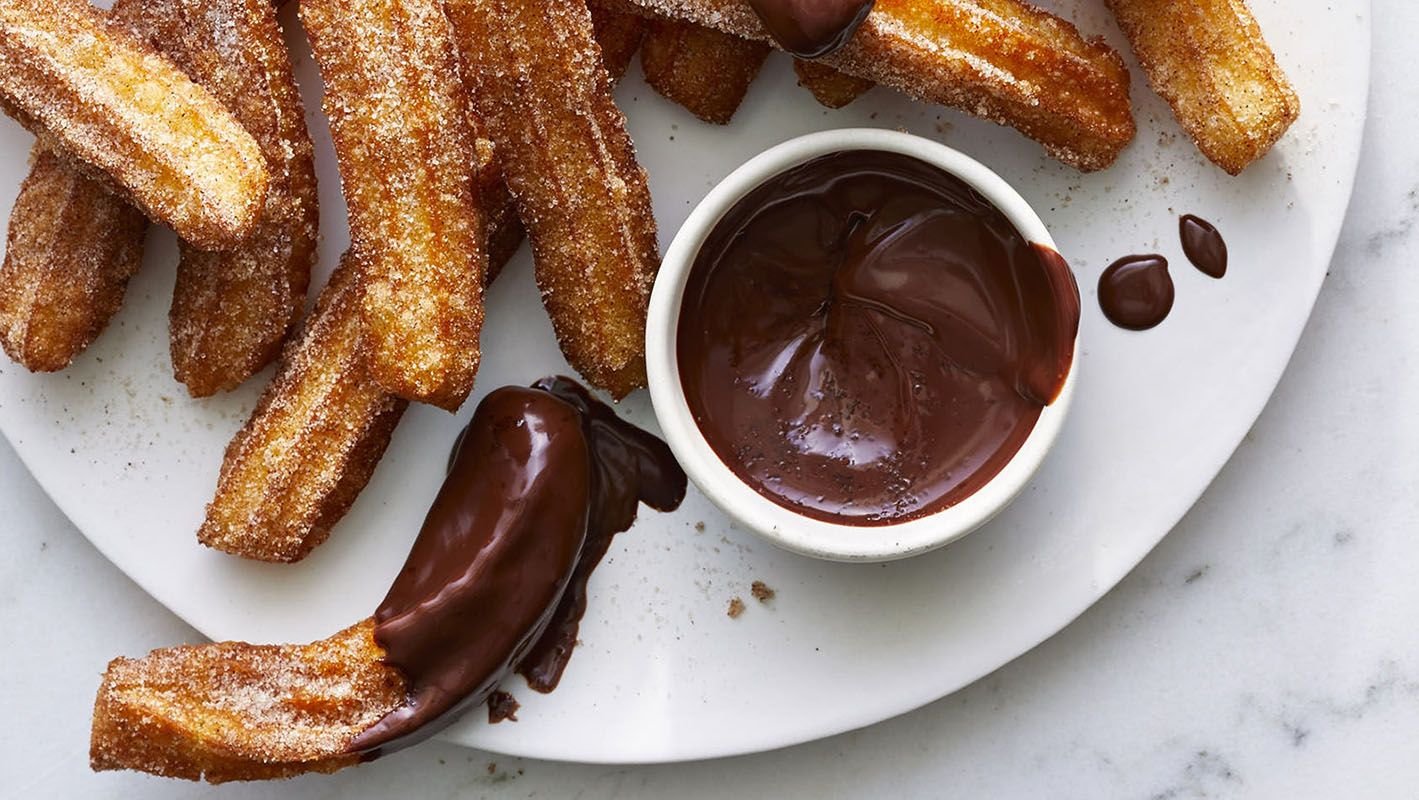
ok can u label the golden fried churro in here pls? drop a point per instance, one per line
(619, 35)
(1003, 60)
(1208, 59)
(313, 441)
(112, 103)
(232, 711)
(705, 71)
(535, 77)
(72, 247)
(323, 423)
(399, 118)
(830, 87)
(231, 310)
(541, 480)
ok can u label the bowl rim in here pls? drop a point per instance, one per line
(777, 524)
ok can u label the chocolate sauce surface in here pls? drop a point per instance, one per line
(811, 28)
(543, 477)
(1203, 245)
(1136, 292)
(865, 339)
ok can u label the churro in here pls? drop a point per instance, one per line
(72, 247)
(705, 71)
(313, 441)
(830, 87)
(112, 103)
(1002, 60)
(233, 711)
(536, 80)
(231, 310)
(399, 118)
(619, 36)
(1209, 60)
(323, 423)
(541, 480)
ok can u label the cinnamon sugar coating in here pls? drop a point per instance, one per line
(830, 87)
(539, 86)
(73, 245)
(1209, 60)
(399, 119)
(619, 36)
(1002, 60)
(112, 103)
(705, 71)
(232, 309)
(232, 711)
(313, 441)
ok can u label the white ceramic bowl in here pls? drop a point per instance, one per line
(779, 525)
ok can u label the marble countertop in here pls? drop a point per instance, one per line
(1267, 648)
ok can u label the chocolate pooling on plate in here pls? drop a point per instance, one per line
(1203, 245)
(865, 339)
(811, 28)
(543, 478)
(1136, 292)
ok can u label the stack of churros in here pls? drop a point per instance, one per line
(460, 127)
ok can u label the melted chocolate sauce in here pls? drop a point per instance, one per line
(865, 339)
(1136, 292)
(629, 466)
(811, 28)
(543, 478)
(1203, 245)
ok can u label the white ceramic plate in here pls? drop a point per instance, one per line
(662, 673)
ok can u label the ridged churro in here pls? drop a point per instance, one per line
(541, 480)
(535, 76)
(323, 423)
(830, 87)
(705, 71)
(233, 711)
(114, 104)
(231, 310)
(400, 121)
(1209, 60)
(313, 441)
(1002, 60)
(619, 35)
(73, 245)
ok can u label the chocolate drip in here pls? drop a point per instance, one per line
(1203, 245)
(630, 466)
(1136, 292)
(811, 28)
(540, 475)
(865, 339)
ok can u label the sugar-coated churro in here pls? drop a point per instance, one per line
(1003, 60)
(323, 423)
(830, 87)
(313, 441)
(232, 309)
(540, 481)
(401, 124)
(536, 80)
(1209, 60)
(233, 711)
(112, 103)
(73, 245)
(619, 34)
(705, 71)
